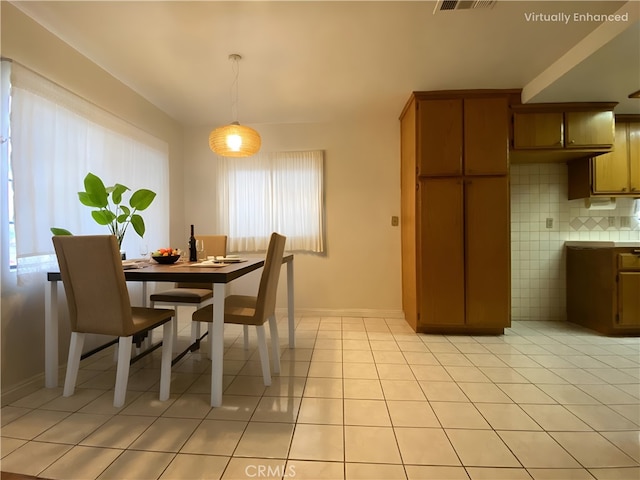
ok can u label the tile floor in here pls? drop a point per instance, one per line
(359, 398)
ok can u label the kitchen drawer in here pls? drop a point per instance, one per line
(629, 261)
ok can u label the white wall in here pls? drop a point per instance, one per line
(538, 192)
(360, 272)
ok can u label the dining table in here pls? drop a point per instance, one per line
(217, 274)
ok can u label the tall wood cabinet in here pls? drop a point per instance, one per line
(455, 211)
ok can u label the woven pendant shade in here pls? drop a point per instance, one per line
(235, 140)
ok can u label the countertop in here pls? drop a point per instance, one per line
(600, 244)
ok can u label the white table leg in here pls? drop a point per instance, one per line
(216, 337)
(51, 334)
(290, 310)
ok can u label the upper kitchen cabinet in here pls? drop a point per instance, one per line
(445, 126)
(614, 174)
(558, 132)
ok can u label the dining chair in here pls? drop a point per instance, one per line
(192, 294)
(99, 303)
(256, 310)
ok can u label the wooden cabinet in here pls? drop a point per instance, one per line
(603, 289)
(561, 132)
(455, 211)
(613, 174)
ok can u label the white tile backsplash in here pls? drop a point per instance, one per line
(539, 192)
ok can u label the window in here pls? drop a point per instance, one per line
(57, 138)
(272, 192)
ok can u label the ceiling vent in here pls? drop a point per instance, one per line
(448, 5)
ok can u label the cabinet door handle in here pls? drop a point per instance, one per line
(624, 189)
(572, 141)
(633, 189)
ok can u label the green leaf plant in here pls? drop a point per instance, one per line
(109, 210)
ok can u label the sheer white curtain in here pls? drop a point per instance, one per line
(57, 138)
(280, 191)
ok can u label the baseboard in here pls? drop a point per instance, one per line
(348, 312)
(15, 392)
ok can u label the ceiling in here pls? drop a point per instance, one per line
(307, 61)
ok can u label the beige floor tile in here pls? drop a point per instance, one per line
(632, 473)
(540, 376)
(266, 440)
(360, 370)
(577, 376)
(630, 412)
(119, 432)
(308, 470)
(8, 445)
(443, 392)
(325, 369)
(366, 413)
(537, 450)
(329, 343)
(192, 467)
(252, 386)
(459, 415)
(466, 374)
(74, 428)
(412, 442)
(361, 388)
(234, 407)
(285, 386)
(357, 356)
(408, 343)
(568, 394)
(560, 474)
(136, 465)
(422, 472)
(369, 471)
(485, 360)
(489, 473)
(82, 462)
(326, 411)
(324, 355)
(103, 405)
(37, 398)
(525, 393)
(441, 347)
(352, 344)
(189, 405)
(453, 359)
(420, 358)
(407, 413)
(478, 448)
(384, 345)
(293, 369)
(33, 457)
(277, 409)
(323, 387)
(555, 418)
(608, 394)
(402, 390)
(484, 393)
(370, 444)
(80, 398)
(32, 424)
(166, 435)
(503, 375)
(382, 356)
(506, 417)
(513, 359)
(215, 437)
(601, 417)
(394, 371)
(262, 468)
(9, 414)
(592, 450)
(317, 442)
(433, 373)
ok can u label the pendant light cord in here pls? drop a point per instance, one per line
(235, 58)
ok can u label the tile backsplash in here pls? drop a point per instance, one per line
(542, 219)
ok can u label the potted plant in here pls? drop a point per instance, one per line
(109, 209)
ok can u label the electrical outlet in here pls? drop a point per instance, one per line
(395, 221)
(549, 223)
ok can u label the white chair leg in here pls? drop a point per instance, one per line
(245, 331)
(174, 322)
(275, 343)
(195, 331)
(264, 355)
(122, 370)
(210, 337)
(165, 366)
(73, 363)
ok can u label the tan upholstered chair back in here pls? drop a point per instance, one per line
(94, 283)
(266, 302)
(213, 245)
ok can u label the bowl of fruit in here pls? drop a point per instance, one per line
(166, 255)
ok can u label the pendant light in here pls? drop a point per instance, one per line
(235, 140)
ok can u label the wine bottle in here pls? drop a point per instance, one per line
(193, 253)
